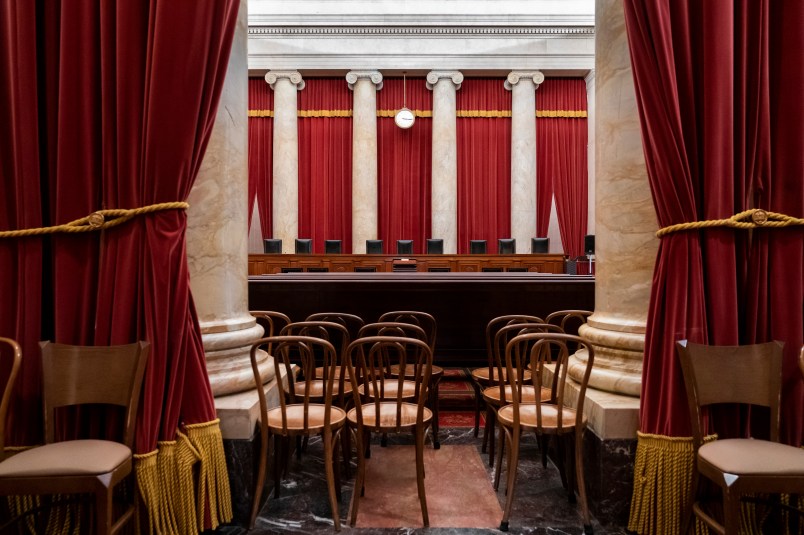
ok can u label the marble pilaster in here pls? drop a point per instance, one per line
(523, 86)
(365, 216)
(285, 208)
(590, 120)
(444, 188)
(625, 220)
(217, 251)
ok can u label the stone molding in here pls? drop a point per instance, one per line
(456, 77)
(337, 31)
(515, 76)
(374, 76)
(295, 78)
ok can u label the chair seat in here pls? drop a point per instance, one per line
(391, 388)
(527, 416)
(388, 412)
(315, 417)
(745, 456)
(481, 375)
(319, 373)
(317, 388)
(492, 394)
(437, 372)
(68, 458)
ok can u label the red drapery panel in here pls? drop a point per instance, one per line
(260, 152)
(484, 162)
(121, 127)
(404, 164)
(325, 162)
(561, 159)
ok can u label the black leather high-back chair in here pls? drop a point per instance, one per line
(539, 245)
(589, 244)
(304, 246)
(506, 246)
(404, 246)
(332, 246)
(272, 246)
(477, 246)
(435, 246)
(374, 247)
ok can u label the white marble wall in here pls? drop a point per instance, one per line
(285, 198)
(523, 86)
(444, 182)
(216, 235)
(365, 218)
(625, 242)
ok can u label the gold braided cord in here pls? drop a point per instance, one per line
(544, 114)
(152, 495)
(213, 478)
(749, 219)
(96, 220)
(183, 484)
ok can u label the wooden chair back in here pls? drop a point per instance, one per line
(80, 375)
(352, 322)
(10, 359)
(337, 335)
(501, 339)
(749, 375)
(422, 319)
(494, 325)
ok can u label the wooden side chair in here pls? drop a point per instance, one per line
(552, 419)
(10, 359)
(380, 413)
(428, 323)
(80, 375)
(745, 375)
(307, 411)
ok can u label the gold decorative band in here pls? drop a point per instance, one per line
(753, 218)
(426, 113)
(102, 219)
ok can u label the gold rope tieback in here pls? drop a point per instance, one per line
(100, 220)
(753, 218)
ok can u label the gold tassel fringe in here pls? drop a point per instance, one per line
(153, 495)
(213, 478)
(184, 485)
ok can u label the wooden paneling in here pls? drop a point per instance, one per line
(262, 264)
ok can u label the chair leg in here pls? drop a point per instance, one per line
(328, 462)
(279, 453)
(103, 511)
(420, 474)
(434, 405)
(731, 512)
(513, 462)
(255, 504)
(544, 443)
(491, 424)
(359, 478)
(336, 464)
(346, 446)
(504, 442)
(477, 410)
(579, 474)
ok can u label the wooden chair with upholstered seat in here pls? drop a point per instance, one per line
(307, 411)
(83, 375)
(743, 375)
(10, 359)
(554, 419)
(375, 411)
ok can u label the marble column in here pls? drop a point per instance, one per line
(590, 120)
(285, 209)
(444, 188)
(523, 86)
(365, 219)
(217, 251)
(625, 220)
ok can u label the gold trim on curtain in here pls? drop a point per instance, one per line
(427, 113)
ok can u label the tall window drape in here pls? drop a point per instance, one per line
(325, 162)
(96, 116)
(561, 159)
(716, 144)
(260, 152)
(484, 162)
(404, 163)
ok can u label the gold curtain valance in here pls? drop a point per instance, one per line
(542, 114)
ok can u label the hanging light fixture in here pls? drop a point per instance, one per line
(404, 118)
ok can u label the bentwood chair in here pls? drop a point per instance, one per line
(489, 374)
(375, 411)
(306, 411)
(546, 419)
(10, 359)
(74, 376)
(749, 375)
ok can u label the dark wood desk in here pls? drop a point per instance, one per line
(462, 303)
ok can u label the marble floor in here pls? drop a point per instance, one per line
(541, 505)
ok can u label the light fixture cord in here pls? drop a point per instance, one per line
(404, 91)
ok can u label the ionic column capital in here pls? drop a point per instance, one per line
(515, 76)
(294, 77)
(374, 76)
(456, 77)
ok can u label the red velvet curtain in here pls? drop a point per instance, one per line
(325, 162)
(484, 162)
(404, 163)
(561, 159)
(260, 152)
(111, 106)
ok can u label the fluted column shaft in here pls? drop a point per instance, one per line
(365, 216)
(523, 86)
(444, 185)
(217, 252)
(285, 195)
(625, 220)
